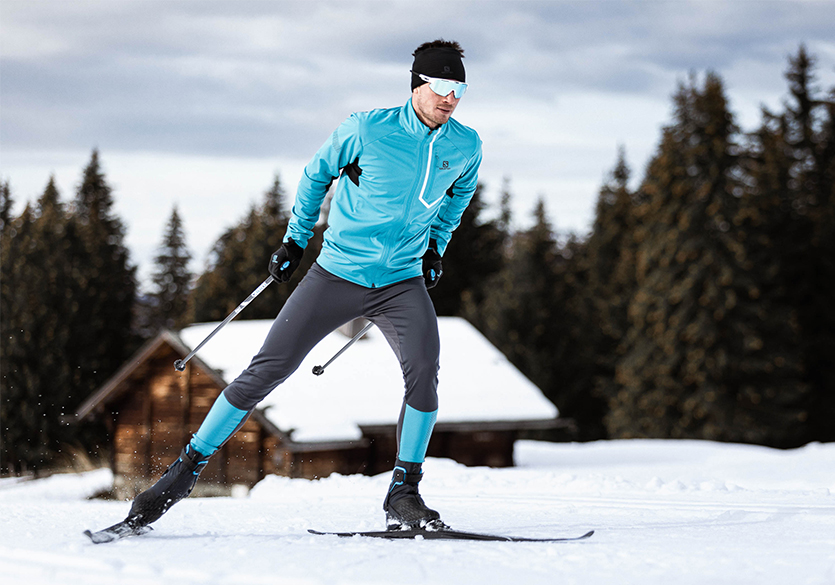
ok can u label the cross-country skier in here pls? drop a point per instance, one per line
(407, 174)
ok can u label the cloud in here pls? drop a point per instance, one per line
(222, 78)
(556, 86)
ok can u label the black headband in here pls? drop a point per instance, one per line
(438, 62)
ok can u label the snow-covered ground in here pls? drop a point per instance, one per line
(664, 512)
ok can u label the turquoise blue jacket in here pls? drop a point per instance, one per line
(400, 185)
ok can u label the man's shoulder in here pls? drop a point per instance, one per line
(373, 124)
(464, 137)
(460, 129)
(379, 115)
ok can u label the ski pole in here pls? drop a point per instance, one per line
(319, 370)
(180, 365)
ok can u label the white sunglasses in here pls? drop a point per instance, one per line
(443, 86)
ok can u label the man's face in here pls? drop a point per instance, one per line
(431, 108)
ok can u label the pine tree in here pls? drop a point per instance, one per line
(534, 313)
(811, 135)
(268, 226)
(38, 389)
(791, 170)
(238, 264)
(103, 287)
(6, 204)
(15, 419)
(609, 263)
(505, 218)
(477, 311)
(16, 409)
(696, 362)
(220, 288)
(171, 277)
(516, 313)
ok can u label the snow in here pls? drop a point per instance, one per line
(664, 512)
(476, 382)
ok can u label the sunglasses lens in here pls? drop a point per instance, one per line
(443, 86)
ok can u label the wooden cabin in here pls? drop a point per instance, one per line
(341, 422)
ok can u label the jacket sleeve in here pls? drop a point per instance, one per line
(341, 148)
(453, 206)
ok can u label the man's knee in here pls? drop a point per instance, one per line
(422, 385)
(257, 381)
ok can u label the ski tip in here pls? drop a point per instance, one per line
(116, 532)
(98, 537)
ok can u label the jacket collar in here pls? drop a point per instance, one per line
(410, 121)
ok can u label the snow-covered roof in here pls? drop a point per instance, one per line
(364, 386)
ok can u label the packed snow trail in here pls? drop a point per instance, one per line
(663, 512)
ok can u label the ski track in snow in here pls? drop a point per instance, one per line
(664, 512)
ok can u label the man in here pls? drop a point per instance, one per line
(407, 174)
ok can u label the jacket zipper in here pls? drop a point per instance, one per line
(426, 176)
(408, 207)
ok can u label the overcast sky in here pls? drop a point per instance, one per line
(201, 103)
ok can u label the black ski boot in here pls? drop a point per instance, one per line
(174, 485)
(405, 509)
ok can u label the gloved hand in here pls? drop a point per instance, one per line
(432, 267)
(285, 260)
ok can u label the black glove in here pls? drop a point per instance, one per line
(285, 260)
(432, 267)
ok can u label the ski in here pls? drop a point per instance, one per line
(449, 534)
(118, 531)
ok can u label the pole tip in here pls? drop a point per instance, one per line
(179, 365)
(318, 370)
